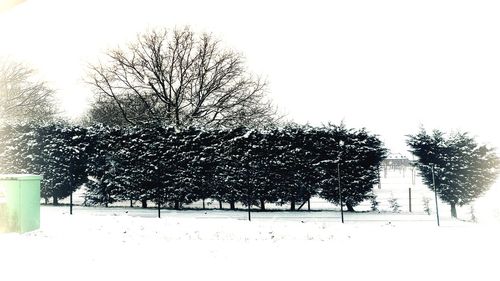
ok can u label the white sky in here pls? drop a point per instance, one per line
(389, 66)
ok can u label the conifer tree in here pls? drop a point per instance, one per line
(104, 185)
(463, 169)
(355, 156)
(65, 158)
(231, 171)
(203, 166)
(298, 177)
(263, 154)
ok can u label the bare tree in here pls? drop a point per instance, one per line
(177, 78)
(23, 97)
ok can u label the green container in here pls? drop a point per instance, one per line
(19, 203)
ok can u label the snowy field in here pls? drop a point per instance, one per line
(121, 243)
(119, 246)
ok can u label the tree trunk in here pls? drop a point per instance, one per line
(309, 204)
(262, 204)
(453, 210)
(144, 203)
(131, 203)
(231, 205)
(292, 205)
(220, 204)
(176, 205)
(349, 206)
(55, 202)
(177, 119)
(46, 200)
(203, 200)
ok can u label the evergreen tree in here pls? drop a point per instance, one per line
(356, 156)
(65, 159)
(55, 151)
(21, 150)
(298, 177)
(263, 154)
(393, 203)
(149, 162)
(232, 169)
(131, 176)
(361, 169)
(104, 185)
(463, 169)
(156, 161)
(182, 186)
(203, 165)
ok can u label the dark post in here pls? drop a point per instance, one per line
(159, 204)
(379, 182)
(435, 194)
(159, 208)
(409, 197)
(249, 213)
(107, 198)
(248, 200)
(248, 197)
(309, 204)
(249, 204)
(340, 194)
(71, 203)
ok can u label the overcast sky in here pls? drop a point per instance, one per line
(389, 66)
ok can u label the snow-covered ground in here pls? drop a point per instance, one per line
(207, 246)
(133, 244)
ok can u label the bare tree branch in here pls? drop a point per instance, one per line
(22, 97)
(178, 78)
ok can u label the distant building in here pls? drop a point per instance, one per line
(396, 161)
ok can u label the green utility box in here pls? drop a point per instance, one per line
(19, 203)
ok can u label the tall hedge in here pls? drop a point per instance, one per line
(150, 163)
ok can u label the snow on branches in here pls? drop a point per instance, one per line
(151, 163)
